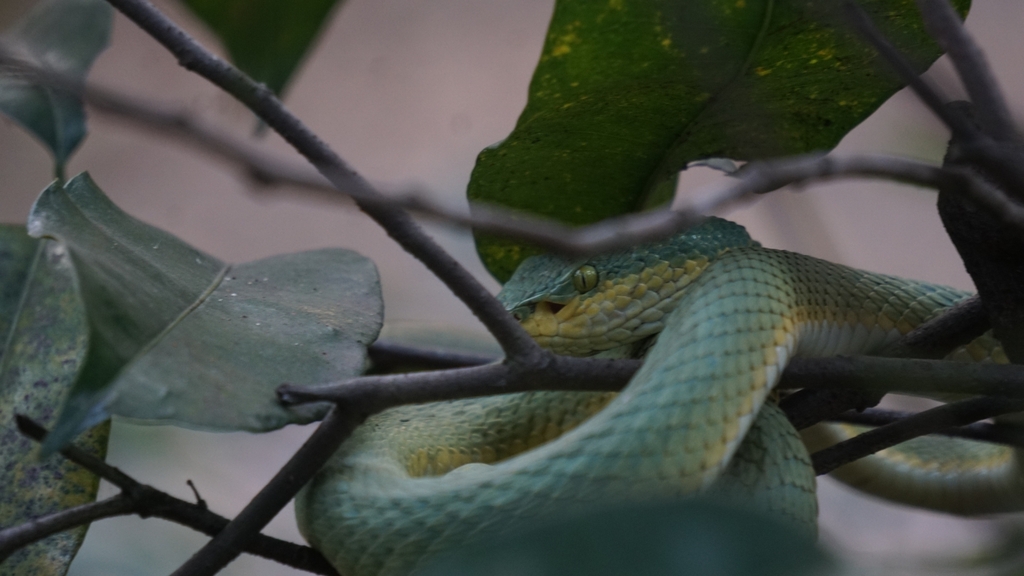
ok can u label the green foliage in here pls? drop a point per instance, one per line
(42, 343)
(265, 38)
(175, 334)
(109, 315)
(64, 36)
(696, 538)
(626, 94)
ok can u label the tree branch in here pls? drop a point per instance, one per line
(933, 340)
(940, 336)
(980, 431)
(945, 27)
(927, 422)
(145, 501)
(40, 527)
(376, 393)
(928, 94)
(865, 373)
(259, 164)
(524, 356)
(612, 234)
(905, 375)
(1005, 165)
(396, 222)
(387, 356)
(236, 535)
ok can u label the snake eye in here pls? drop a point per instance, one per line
(585, 279)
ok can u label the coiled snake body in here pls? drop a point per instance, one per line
(728, 314)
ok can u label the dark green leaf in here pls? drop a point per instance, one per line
(177, 335)
(44, 328)
(694, 538)
(64, 36)
(265, 38)
(626, 94)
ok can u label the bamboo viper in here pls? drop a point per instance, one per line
(717, 317)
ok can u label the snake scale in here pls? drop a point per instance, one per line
(724, 316)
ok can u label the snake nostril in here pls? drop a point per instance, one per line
(555, 308)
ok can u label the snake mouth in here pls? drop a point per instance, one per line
(545, 308)
(554, 307)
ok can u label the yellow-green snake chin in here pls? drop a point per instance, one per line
(418, 480)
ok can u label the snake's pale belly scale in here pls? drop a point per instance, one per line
(421, 479)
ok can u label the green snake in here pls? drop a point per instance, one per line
(718, 317)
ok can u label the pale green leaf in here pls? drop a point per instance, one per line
(177, 335)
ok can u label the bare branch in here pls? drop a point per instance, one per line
(945, 26)
(937, 338)
(1003, 163)
(244, 528)
(259, 164)
(980, 431)
(396, 222)
(387, 355)
(15, 537)
(905, 375)
(376, 393)
(928, 94)
(754, 178)
(146, 501)
(612, 234)
(920, 424)
(933, 340)
(83, 458)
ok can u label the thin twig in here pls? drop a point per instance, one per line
(32, 429)
(396, 222)
(260, 164)
(1002, 163)
(928, 94)
(386, 355)
(754, 178)
(612, 234)
(926, 422)
(980, 431)
(906, 375)
(15, 537)
(946, 28)
(236, 536)
(195, 492)
(146, 501)
(376, 393)
(932, 340)
(937, 338)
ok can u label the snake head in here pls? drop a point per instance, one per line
(582, 307)
(538, 280)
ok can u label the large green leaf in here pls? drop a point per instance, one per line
(694, 538)
(626, 94)
(64, 36)
(43, 339)
(266, 38)
(177, 335)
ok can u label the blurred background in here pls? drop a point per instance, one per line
(408, 91)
